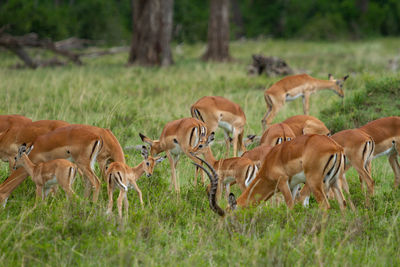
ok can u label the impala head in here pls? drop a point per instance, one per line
(23, 151)
(338, 84)
(149, 162)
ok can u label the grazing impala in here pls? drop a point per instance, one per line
(315, 160)
(386, 135)
(125, 177)
(180, 136)
(76, 142)
(292, 87)
(47, 174)
(217, 111)
(25, 133)
(292, 127)
(239, 170)
(8, 121)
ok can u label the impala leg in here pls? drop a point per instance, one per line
(235, 142)
(12, 182)
(172, 163)
(110, 189)
(241, 146)
(304, 195)
(365, 176)
(88, 173)
(119, 202)
(139, 192)
(126, 202)
(317, 188)
(345, 186)
(227, 143)
(306, 104)
(339, 195)
(272, 110)
(395, 167)
(285, 190)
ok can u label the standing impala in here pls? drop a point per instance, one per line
(187, 135)
(386, 134)
(217, 111)
(292, 127)
(25, 133)
(47, 174)
(312, 159)
(239, 170)
(125, 177)
(79, 143)
(295, 86)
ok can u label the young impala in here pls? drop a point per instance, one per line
(47, 174)
(187, 135)
(295, 86)
(239, 170)
(217, 111)
(125, 177)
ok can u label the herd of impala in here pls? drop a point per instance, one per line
(296, 157)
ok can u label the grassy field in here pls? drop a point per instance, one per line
(173, 230)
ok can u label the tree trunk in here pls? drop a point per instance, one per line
(218, 31)
(152, 29)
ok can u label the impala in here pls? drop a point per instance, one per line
(80, 143)
(386, 135)
(125, 177)
(257, 154)
(239, 170)
(8, 121)
(292, 87)
(315, 160)
(185, 135)
(217, 111)
(47, 174)
(292, 127)
(25, 133)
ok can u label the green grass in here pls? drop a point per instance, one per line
(182, 230)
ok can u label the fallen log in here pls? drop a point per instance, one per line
(271, 66)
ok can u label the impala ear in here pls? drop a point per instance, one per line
(29, 150)
(210, 138)
(146, 139)
(145, 153)
(345, 77)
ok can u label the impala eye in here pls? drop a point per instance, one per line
(148, 164)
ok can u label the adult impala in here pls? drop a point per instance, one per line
(315, 160)
(187, 135)
(82, 144)
(292, 127)
(8, 121)
(295, 86)
(125, 177)
(386, 135)
(25, 133)
(217, 111)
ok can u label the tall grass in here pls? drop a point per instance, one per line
(182, 230)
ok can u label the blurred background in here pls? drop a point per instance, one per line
(111, 20)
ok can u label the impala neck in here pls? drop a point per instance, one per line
(324, 84)
(156, 148)
(209, 157)
(138, 170)
(27, 164)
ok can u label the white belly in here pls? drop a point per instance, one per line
(291, 98)
(384, 153)
(176, 150)
(299, 178)
(226, 126)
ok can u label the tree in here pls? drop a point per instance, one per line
(152, 28)
(218, 31)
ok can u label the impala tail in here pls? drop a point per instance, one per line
(118, 180)
(213, 186)
(196, 114)
(98, 145)
(251, 173)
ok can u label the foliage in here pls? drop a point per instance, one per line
(182, 230)
(379, 98)
(111, 20)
